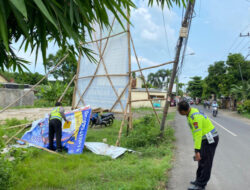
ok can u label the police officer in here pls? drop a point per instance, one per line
(55, 126)
(205, 142)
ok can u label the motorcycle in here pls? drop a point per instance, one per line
(215, 111)
(104, 120)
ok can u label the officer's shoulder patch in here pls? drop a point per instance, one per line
(196, 125)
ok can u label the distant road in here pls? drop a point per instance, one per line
(231, 168)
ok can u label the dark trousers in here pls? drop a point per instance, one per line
(55, 127)
(205, 164)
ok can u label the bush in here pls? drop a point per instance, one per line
(145, 133)
(5, 174)
(245, 107)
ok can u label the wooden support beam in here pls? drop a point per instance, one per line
(101, 39)
(145, 84)
(143, 100)
(33, 87)
(63, 94)
(111, 75)
(145, 68)
(42, 148)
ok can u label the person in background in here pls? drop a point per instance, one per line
(55, 126)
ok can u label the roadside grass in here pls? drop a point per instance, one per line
(246, 115)
(146, 169)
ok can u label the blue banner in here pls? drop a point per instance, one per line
(73, 133)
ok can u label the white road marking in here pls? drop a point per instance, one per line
(224, 128)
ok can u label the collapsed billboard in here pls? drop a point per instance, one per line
(73, 133)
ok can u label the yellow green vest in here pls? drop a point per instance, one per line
(200, 125)
(55, 114)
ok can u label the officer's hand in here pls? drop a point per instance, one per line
(197, 156)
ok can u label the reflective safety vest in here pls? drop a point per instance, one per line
(200, 125)
(55, 114)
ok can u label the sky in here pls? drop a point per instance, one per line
(214, 33)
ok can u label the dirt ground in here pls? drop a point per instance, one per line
(32, 114)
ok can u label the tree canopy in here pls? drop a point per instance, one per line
(67, 68)
(38, 22)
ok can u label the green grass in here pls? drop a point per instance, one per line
(146, 169)
(246, 115)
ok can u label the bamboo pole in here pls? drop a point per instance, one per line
(60, 99)
(119, 97)
(33, 87)
(16, 134)
(130, 74)
(105, 45)
(106, 71)
(158, 119)
(17, 126)
(50, 151)
(77, 75)
(78, 95)
(111, 36)
(145, 68)
(142, 100)
(112, 75)
(122, 124)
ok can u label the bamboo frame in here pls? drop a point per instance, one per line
(66, 89)
(33, 87)
(77, 75)
(130, 75)
(145, 68)
(111, 36)
(112, 75)
(16, 134)
(143, 100)
(158, 119)
(17, 126)
(119, 97)
(42, 148)
(106, 43)
(122, 124)
(106, 71)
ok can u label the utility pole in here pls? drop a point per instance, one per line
(183, 34)
(241, 35)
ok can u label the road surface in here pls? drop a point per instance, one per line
(231, 169)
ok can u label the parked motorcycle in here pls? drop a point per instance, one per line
(215, 111)
(104, 120)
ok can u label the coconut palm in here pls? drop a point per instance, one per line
(241, 92)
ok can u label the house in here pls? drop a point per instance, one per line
(141, 94)
(3, 79)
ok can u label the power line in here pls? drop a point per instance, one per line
(245, 46)
(166, 35)
(235, 41)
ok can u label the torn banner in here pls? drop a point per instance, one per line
(73, 134)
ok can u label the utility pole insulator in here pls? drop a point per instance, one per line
(245, 35)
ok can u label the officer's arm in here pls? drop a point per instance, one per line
(197, 133)
(62, 114)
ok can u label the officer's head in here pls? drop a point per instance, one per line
(183, 107)
(58, 104)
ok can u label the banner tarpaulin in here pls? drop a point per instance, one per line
(73, 133)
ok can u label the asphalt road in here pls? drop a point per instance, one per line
(231, 169)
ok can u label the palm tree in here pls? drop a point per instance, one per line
(153, 78)
(241, 92)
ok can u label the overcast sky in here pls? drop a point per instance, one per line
(214, 33)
